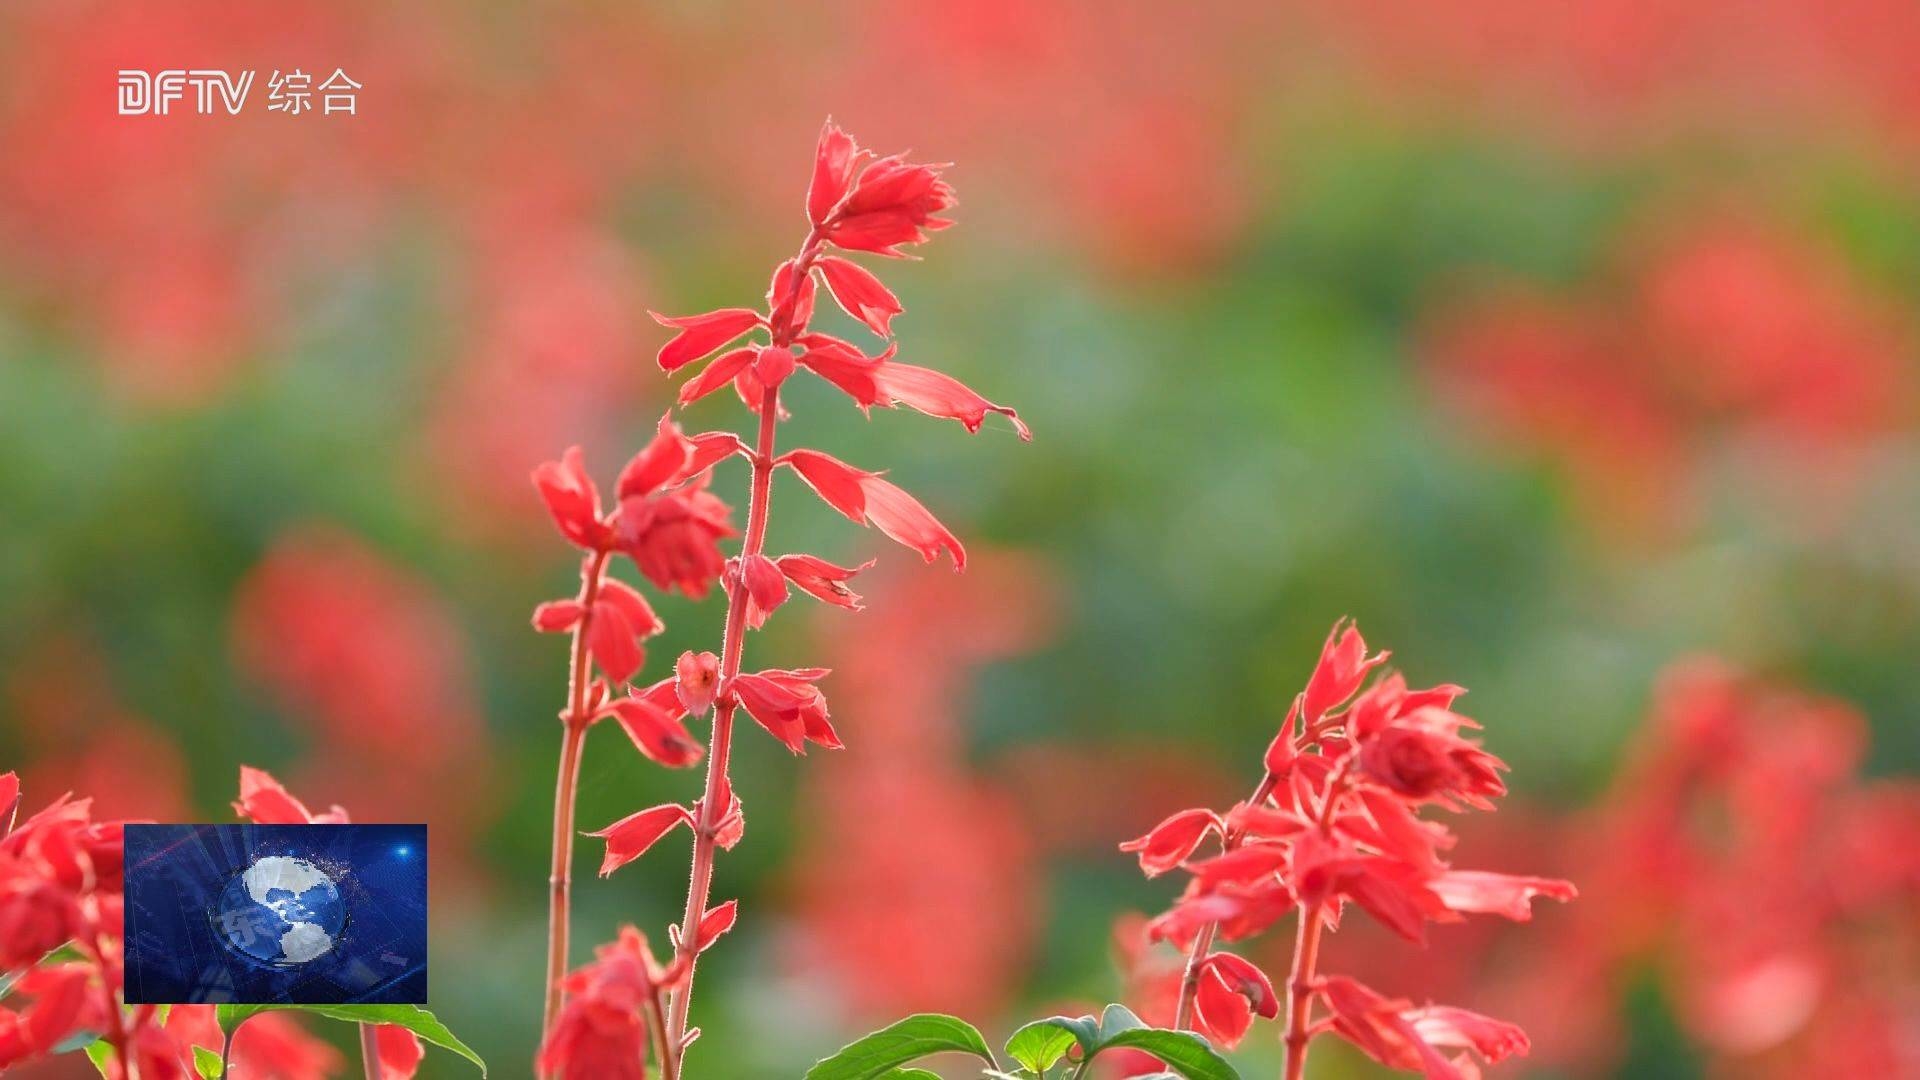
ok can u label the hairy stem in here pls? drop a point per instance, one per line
(1306, 955)
(566, 787)
(370, 1051)
(713, 808)
(1203, 941)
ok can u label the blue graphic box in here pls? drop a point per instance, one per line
(287, 914)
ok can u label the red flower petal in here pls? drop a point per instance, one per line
(860, 294)
(846, 367)
(866, 498)
(717, 374)
(1443, 1025)
(766, 589)
(1343, 665)
(556, 615)
(941, 395)
(823, 579)
(399, 1051)
(1169, 843)
(702, 334)
(1497, 894)
(631, 836)
(696, 676)
(780, 295)
(264, 801)
(661, 462)
(834, 159)
(613, 643)
(718, 920)
(657, 732)
(9, 801)
(572, 500)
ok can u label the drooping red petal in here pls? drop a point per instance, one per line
(860, 294)
(1247, 980)
(639, 613)
(1374, 1023)
(657, 732)
(840, 484)
(572, 500)
(1497, 894)
(702, 334)
(1443, 1025)
(630, 837)
(846, 367)
(1169, 843)
(613, 643)
(766, 588)
(834, 158)
(662, 461)
(710, 448)
(718, 920)
(556, 615)
(717, 374)
(399, 1051)
(938, 394)
(1224, 1015)
(825, 580)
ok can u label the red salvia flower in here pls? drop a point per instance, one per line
(822, 579)
(601, 1034)
(789, 706)
(658, 733)
(573, 500)
(868, 499)
(631, 836)
(1335, 822)
(696, 679)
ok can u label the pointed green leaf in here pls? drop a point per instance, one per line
(208, 1063)
(1117, 1018)
(100, 1053)
(875, 1056)
(1042, 1043)
(1184, 1052)
(911, 1073)
(412, 1017)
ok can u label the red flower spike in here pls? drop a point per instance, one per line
(263, 800)
(822, 579)
(702, 334)
(860, 294)
(717, 374)
(573, 501)
(696, 678)
(1497, 894)
(1343, 666)
(631, 836)
(1169, 843)
(866, 498)
(789, 706)
(658, 733)
(940, 395)
(556, 616)
(717, 921)
(766, 589)
(835, 158)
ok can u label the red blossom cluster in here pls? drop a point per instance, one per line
(1771, 889)
(670, 525)
(61, 898)
(1335, 820)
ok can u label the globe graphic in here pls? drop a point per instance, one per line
(281, 910)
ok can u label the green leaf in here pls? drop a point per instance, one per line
(1042, 1043)
(412, 1017)
(1184, 1052)
(910, 1073)
(100, 1053)
(1116, 1019)
(208, 1063)
(875, 1056)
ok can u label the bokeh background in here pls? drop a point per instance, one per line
(1563, 345)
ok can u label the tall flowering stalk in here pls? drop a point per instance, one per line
(670, 525)
(1335, 820)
